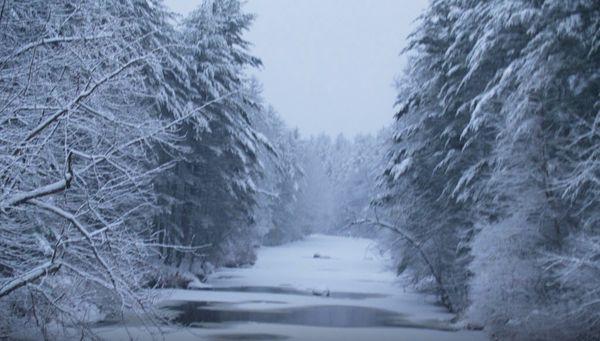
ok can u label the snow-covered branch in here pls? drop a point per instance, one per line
(53, 40)
(82, 96)
(43, 270)
(49, 189)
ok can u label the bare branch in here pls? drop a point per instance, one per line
(418, 247)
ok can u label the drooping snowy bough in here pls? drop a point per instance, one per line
(77, 122)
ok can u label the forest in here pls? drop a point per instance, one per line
(138, 153)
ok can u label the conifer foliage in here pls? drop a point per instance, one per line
(494, 164)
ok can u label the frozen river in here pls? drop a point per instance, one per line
(321, 288)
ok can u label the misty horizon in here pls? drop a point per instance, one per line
(329, 76)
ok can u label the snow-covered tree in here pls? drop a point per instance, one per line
(75, 126)
(280, 181)
(435, 167)
(543, 179)
(493, 168)
(209, 197)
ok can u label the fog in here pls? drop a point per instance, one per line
(329, 65)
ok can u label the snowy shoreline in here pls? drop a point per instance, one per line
(288, 279)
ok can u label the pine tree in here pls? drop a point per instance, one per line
(492, 167)
(210, 193)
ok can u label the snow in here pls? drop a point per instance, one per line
(401, 168)
(346, 266)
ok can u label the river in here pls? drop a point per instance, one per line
(320, 288)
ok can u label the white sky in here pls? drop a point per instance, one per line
(329, 65)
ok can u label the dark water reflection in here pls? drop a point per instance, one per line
(340, 316)
(248, 337)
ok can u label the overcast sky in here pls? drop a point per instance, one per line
(329, 65)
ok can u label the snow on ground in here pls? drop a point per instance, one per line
(309, 280)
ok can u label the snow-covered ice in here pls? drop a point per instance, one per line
(350, 273)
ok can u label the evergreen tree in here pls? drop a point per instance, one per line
(210, 194)
(491, 171)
